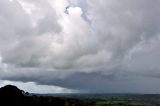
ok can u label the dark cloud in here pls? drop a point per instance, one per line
(95, 82)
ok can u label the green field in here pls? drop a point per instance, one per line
(114, 100)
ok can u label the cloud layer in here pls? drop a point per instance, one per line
(80, 43)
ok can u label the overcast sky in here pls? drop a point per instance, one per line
(59, 46)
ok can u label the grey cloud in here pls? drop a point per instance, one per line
(95, 82)
(48, 23)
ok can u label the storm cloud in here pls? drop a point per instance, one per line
(92, 45)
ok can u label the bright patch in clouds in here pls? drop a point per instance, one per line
(32, 87)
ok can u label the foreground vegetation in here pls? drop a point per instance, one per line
(11, 95)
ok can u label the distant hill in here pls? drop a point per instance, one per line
(10, 95)
(11, 92)
(13, 96)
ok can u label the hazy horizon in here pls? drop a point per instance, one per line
(80, 46)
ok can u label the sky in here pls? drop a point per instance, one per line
(79, 46)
